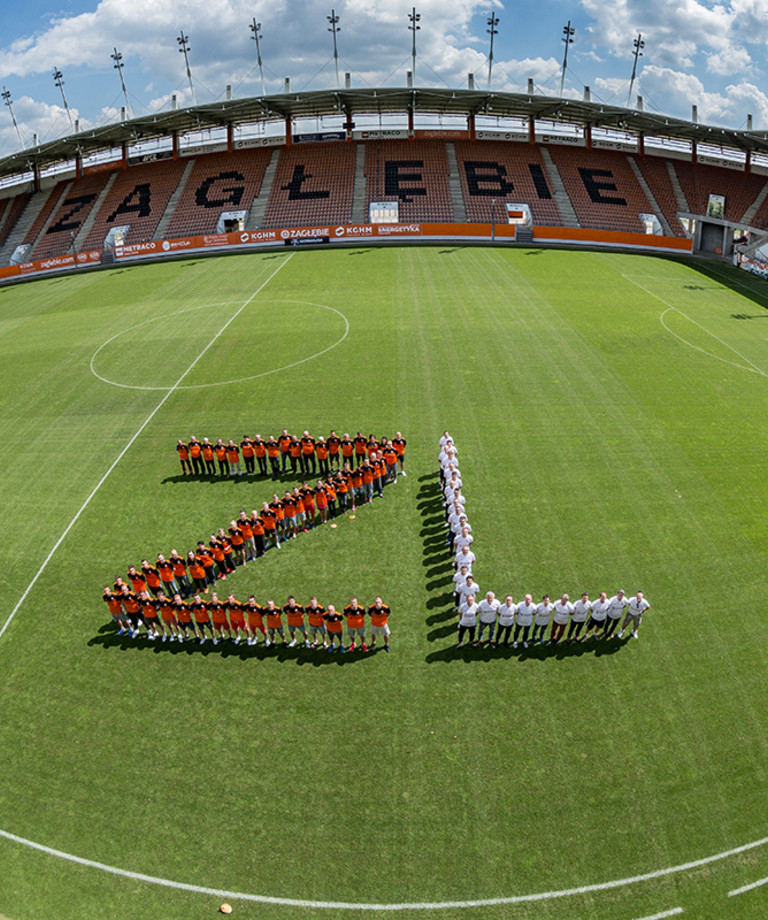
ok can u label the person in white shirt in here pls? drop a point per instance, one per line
(464, 538)
(543, 616)
(636, 607)
(459, 580)
(464, 556)
(467, 620)
(488, 610)
(596, 622)
(562, 613)
(445, 438)
(525, 611)
(615, 610)
(581, 610)
(507, 612)
(470, 586)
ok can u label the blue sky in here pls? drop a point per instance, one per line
(709, 54)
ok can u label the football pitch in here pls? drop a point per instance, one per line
(610, 412)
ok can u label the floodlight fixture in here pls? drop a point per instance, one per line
(255, 27)
(493, 21)
(414, 27)
(335, 29)
(567, 39)
(58, 79)
(183, 41)
(118, 59)
(639, 44)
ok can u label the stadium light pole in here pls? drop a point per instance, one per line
(118, 59)
(414, 27)
(6, 94)
(639, 45)
(493, 220)
(255, 27)
(493, 21)
(58, 79)
(334, 21)
(183, 41)
(568, 32)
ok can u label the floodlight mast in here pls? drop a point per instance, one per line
(568, 32)
(334, 21)
(6, 94)
(183, 41)
(58, 79)
(639, 45)
(255, 27)
(493, 21)
(414, 27)
(118, 59)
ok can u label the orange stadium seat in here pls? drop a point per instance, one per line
(414, 173)
(313, 185)
(655, 172)
(699, 181)
(218, 182)
(12, 214)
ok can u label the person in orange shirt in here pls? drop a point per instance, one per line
(130, 602)
(358, 488)
(136, 579)
(273, 453)
(390, 458)
(183, 618)
(167, 575)
(295, 614)
(321, 500)
(260, 450)
(183, 449)
(220, 449)
(361, 446)
(372, 445)
(274, 623)
(197, 572)
(316, 619)
(233, 455)
(149, 615)
(321, 452)
(269, 519)
(289, 509)
(307, 454)
(284, 441)
(379, 613)
(368, 477)
(242, 548)
(355, 615)
(333, 624)
(343, 487)
(301, 515)
(277, 506)
(399, 442)
(236, 619)
(308, 500)
(379, 472)
(259, 529)
(207, 449)
(347, 449)
(295, 452)
(254, 612)
(199, 609)
(115, 605)
(152, 577)
(206, 557)
(218, 612)
(246, 447)
(229, 551)
(334, 450)
(330, 492)
(217, 551)
(168, 616)
(196, 456)
(180, 574)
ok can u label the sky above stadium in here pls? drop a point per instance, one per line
(708, 54)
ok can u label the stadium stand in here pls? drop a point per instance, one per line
(602, 188)
(69, 215)
(10, 211)
(699, 181)
(656, 174)
(218, 182)
(508, 172)
(415, 173)
(44, 215)
(313, 185)
(137, 198)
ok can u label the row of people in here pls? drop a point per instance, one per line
(305, 454)
(599, 618)
(249, 536)
(171, 618)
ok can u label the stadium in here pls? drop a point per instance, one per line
(559, 284)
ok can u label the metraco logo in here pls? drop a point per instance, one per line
(389, 229)
(305, 232)
(135, 248)
(355, 230)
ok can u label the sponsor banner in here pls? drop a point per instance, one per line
(208, 148)
(9, 271)
(317, 137)
(102, 167)
(136, 249)
(614, 145)
(612, 238)
(255, 236)
(150, 157)
(561, 139)
(307, 240)
(174, 245)
(88, 258)
(380, 134)
(215, 239)
(272, 141)
(715, 161)
(297, 233)
(355, 231)
(441, 134)
(500, 136)
(398, 229)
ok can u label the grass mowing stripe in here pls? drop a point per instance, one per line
(123, 452)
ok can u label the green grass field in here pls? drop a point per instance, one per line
(610, 412)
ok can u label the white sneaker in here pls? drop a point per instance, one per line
(402, 474)
(525, 645)
(621, 633)
(215, 641)
(151, 636)
(306, 643)
(165, 637)
(292, 643)
(514, 645)
(267, 643)
(634, 634)
(237, 640)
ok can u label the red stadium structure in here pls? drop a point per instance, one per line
(512, 168)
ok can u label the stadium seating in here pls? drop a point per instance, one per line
(137, 198)
(699, 181)
(415, 173)
(70, 215)
(45, 212)
(218, 182)
(656, 174)
(9, 215)
(313, 185)
(602, 188)
(508, 172)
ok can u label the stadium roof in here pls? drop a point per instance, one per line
(382, 101)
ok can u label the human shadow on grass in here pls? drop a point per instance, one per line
(535, 651)
(287, 478)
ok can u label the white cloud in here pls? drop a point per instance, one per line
(730, 60)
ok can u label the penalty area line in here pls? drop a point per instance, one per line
(424, 905)
(127, 447)
(746, 888)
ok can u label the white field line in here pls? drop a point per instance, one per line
(218, 383)
(123, 452)
(750, 887)
(665, 913)
(424, 905)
